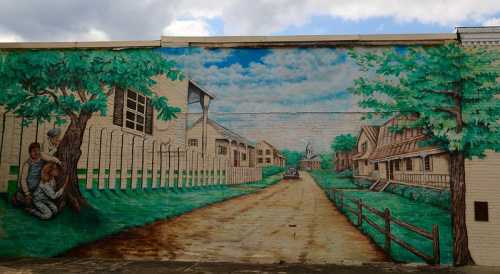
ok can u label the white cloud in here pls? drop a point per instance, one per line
(492, 22)
(187, 28)
(8, 36)
(59, 19)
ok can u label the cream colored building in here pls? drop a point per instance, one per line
(399, 157)
(268, 155)
(482, 177)
(112, 142)
(366, 145)
(222, 142)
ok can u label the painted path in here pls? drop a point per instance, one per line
(292, 221)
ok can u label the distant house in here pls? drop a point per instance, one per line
(310, 160)
(222, 142)
(342, 160)
(366, 145)
(401, 157)
(268, 155)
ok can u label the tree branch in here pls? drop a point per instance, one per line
(70, 113)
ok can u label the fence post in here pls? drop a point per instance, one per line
(360, 212)
(387, 232)
(179, 175)
(435, 244)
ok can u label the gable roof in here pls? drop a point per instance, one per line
(371, 133)
(225, 132)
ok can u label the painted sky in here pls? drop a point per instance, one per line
(62, 20)
(271, 80)
(288, 97)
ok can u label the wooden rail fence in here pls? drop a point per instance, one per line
(339, 200)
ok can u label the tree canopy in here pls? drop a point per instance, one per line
(41, 84)
(343, 143)
(450, 90)
(292, 157)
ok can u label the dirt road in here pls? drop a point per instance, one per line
(292, 221)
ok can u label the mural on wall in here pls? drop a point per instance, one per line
(103, 148)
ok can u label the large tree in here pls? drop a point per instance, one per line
(453, 94)
(343, 143)
(75, 84)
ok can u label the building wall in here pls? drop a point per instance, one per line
(483, 181)
(102, 136)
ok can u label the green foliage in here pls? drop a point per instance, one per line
(328, 180)
(343, 143)
(271, 170)
(292, 157)
(326, 161)
(451, 91)
(40, 84)
(438, 198)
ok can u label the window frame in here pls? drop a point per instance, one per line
(193, 142)
(135, 112)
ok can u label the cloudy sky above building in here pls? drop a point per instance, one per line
(62, 20)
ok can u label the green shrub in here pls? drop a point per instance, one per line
(271, 170)
(346, 173)
(435, 197)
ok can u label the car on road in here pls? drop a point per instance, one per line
(292, 173)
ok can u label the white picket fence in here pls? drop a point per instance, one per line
(113, 159)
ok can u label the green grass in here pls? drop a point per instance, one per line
(413, 212)
(327, 180)
(112, 211)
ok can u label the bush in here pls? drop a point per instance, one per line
(346, 173)
(435, 197)
(271, 170)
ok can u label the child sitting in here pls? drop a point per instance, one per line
(45, 194)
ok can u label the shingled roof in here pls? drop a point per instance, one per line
(403, 149)
(225, 132)
(371, 133)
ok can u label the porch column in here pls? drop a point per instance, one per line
(205, 102)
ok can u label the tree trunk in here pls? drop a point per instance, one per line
(461, 253)
(69, 153)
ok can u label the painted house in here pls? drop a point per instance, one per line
(222, 142)
(268, 155)
(401, 157)
(130, 117)
(366, 145)
(342, 160)
(482, 176)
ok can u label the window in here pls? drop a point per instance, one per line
(243, 156)
(259, 152)
(409, 164)
(481, 211)
(427, 163)
(268, 160)
(268, 152)
(193, 142)
(260, 160)
(364, 146)
(375, 166)
(356, 164)
(133, 111)
(396, 165)
(222, 150)
(366, 162)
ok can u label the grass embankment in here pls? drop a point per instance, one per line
(111, 212)
(413, 212)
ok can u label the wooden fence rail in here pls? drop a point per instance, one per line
(339, 200)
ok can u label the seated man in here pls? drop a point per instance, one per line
(31, 173)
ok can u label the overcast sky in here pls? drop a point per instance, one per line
(71, 20)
